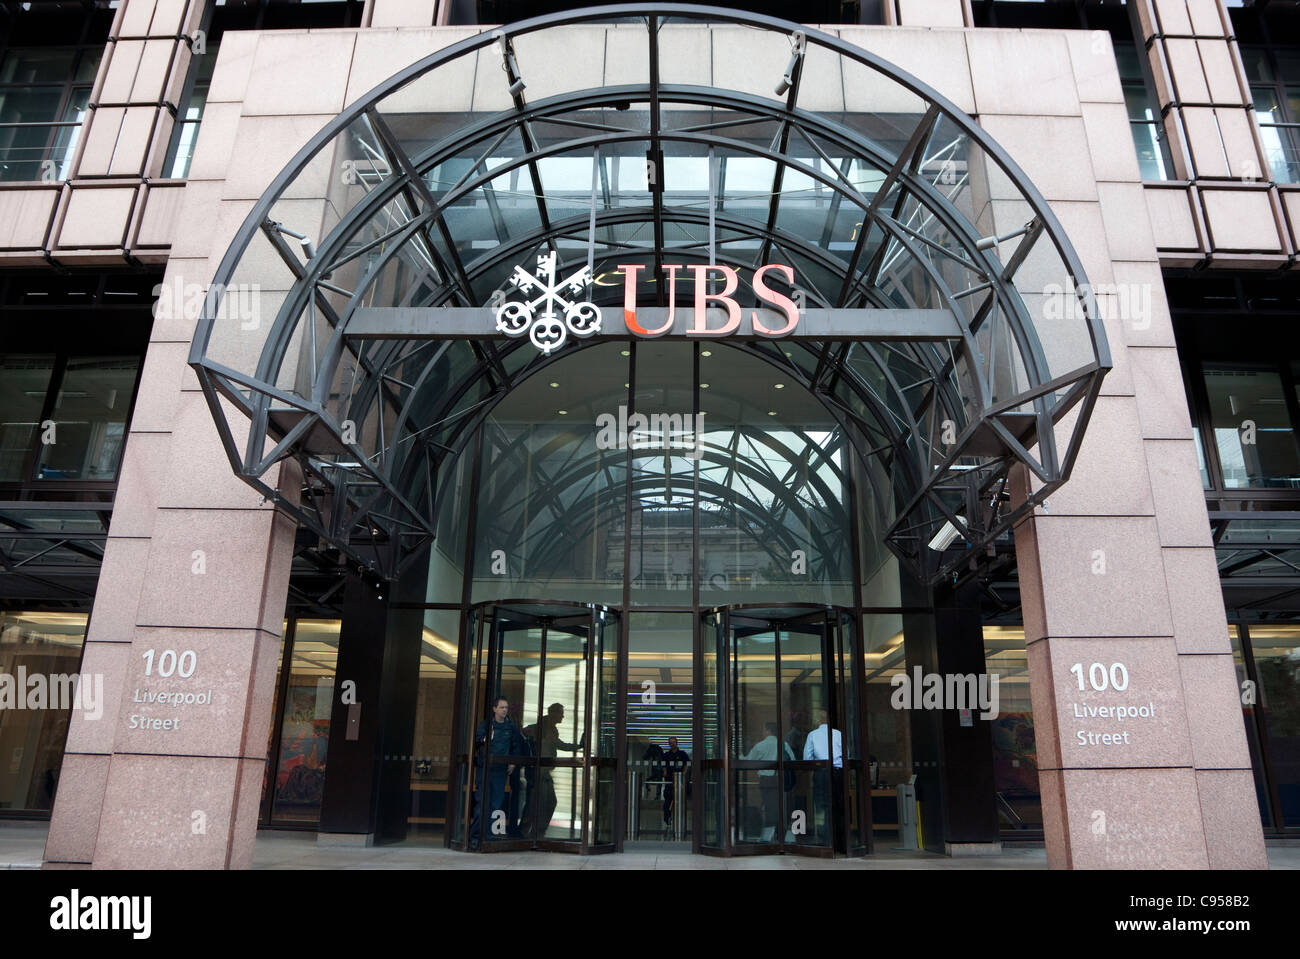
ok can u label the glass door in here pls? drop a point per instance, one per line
(536, 764)
(787, 771)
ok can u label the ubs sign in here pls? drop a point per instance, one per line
(552, 311)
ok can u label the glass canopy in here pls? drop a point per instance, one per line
(649, 135)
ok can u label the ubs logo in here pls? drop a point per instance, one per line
(548, 329)
(554, 310)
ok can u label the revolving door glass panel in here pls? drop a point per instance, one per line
(788, 770)
(536, 762)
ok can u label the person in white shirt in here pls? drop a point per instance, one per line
(765, 750)
(816, 748)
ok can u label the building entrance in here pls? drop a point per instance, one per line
(783, 765)
(740, 736)
(535, 761)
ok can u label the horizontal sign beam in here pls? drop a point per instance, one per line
(479, 323)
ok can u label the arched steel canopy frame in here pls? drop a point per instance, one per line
(373, 422)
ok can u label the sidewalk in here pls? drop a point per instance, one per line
(22, 844)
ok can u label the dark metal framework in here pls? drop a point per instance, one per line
(373, 421)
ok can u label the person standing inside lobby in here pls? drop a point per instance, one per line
(548, 743)
(675, 761)
(765, 750)
(500, 737)
(826, 743)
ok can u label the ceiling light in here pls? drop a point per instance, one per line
(624, 352)
(771, 412)
(779, 386)
(706, 352)
(553, 385)
(704, 386)
(563, 412)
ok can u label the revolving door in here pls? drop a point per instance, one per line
(535, 760)
(783, 760)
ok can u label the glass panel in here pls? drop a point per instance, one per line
(90, 416)
(712, 654)
(37, 65)
(305, 728)
(431, 743)
(604, 728)
(24, 381)
(560, 734)
(510, 686)
(65, 140)
(1015, 758)
(756, 741)
(663, 473)
(813, 738)
(559, 804)
(1252, 428)
(774, 517)
(660, 729)
(32, 733)
(1248, 708)
(469, 708)
(550, 503)
(1277, 663)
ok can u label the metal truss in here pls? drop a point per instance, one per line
(432, 218)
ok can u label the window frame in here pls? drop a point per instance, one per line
(91, 39)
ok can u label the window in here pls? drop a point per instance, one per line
(1252, 427)
(1274, 75)
(1143, 114)
(64, 417)
(44, 93)
(44, 644)
(190, 115)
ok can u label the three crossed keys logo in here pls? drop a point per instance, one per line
(550, 317)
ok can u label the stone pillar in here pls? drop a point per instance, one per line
(190, 604)
(1119, 570)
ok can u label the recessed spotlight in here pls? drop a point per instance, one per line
(706, 352)
(624, 352)
(563, 412)
(771, 412)
(779, 386)
(553, 385)
(627, 386)
(704, 386)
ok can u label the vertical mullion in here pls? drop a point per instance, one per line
(588, 806)
(277, 719)
(1261, 729)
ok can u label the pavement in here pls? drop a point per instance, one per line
(23, 843)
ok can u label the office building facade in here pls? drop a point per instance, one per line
(824, 428)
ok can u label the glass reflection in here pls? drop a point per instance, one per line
(305, 727)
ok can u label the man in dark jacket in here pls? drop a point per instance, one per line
(675, 761)
(500, 737)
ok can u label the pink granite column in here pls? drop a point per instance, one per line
(186, 630)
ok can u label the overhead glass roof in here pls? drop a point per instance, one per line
(651, 135)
